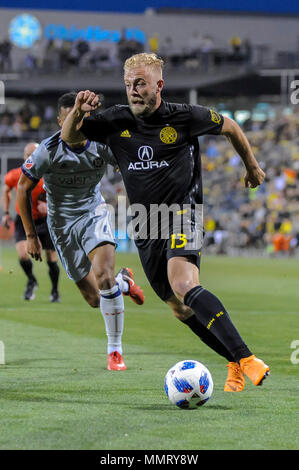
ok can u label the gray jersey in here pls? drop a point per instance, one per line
(71, 179)
(78, 218)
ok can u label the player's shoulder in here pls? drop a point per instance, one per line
(14, 171)
(13, 175)
(177, 111)
(194, 113)
(51, 142)
(48, 148)
(183, 108)
(117, 110)
(115, 118)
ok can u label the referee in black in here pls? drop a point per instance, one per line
(156, 147)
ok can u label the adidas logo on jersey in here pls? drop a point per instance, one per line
(125, 133)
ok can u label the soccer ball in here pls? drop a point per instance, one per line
(188, 384)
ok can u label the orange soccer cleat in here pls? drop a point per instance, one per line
(115, 361)
(135, 292)
(255, 369)
(235, 381)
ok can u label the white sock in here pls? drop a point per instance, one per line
(112, 309)
(123, 285)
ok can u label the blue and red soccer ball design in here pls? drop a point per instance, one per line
(188, 384)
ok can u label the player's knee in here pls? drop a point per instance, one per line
(22, 254)
(105, 279)
(51, 256)
(180, 287)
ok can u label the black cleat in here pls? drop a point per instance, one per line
(54, 296)
(31, 287)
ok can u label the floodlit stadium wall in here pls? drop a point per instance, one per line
(260, 30)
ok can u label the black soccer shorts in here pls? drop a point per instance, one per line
(154, 256)
(41, 229)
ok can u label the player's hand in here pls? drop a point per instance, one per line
(34, 248)
(87, 101)
(6, 221)
(254, 177)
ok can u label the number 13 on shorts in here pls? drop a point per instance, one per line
(178, 240)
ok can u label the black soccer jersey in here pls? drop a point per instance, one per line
(158, 155)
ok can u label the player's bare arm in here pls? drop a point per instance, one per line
(25, 187)
(7, 199)
(86, 101)
(254, 174)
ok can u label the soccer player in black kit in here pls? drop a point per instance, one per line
(156, 147)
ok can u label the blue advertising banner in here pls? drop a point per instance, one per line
(131, 6)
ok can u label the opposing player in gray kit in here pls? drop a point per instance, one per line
(79, 224)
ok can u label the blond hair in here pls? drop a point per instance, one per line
(146, 59)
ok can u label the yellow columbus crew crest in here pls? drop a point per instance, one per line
(168, 135)
(215, 117)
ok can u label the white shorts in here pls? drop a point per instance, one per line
(78, 237)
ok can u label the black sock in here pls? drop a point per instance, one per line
(54, 273)
(207, 337)
(27, 267)
(212, 315)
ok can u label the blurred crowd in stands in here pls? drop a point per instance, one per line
(236, 218)
(266, 217)
(31, 120)
(61, 55)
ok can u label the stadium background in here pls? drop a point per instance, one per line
(234, 61)
(239, 60)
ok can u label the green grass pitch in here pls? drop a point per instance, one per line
(55, 391)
